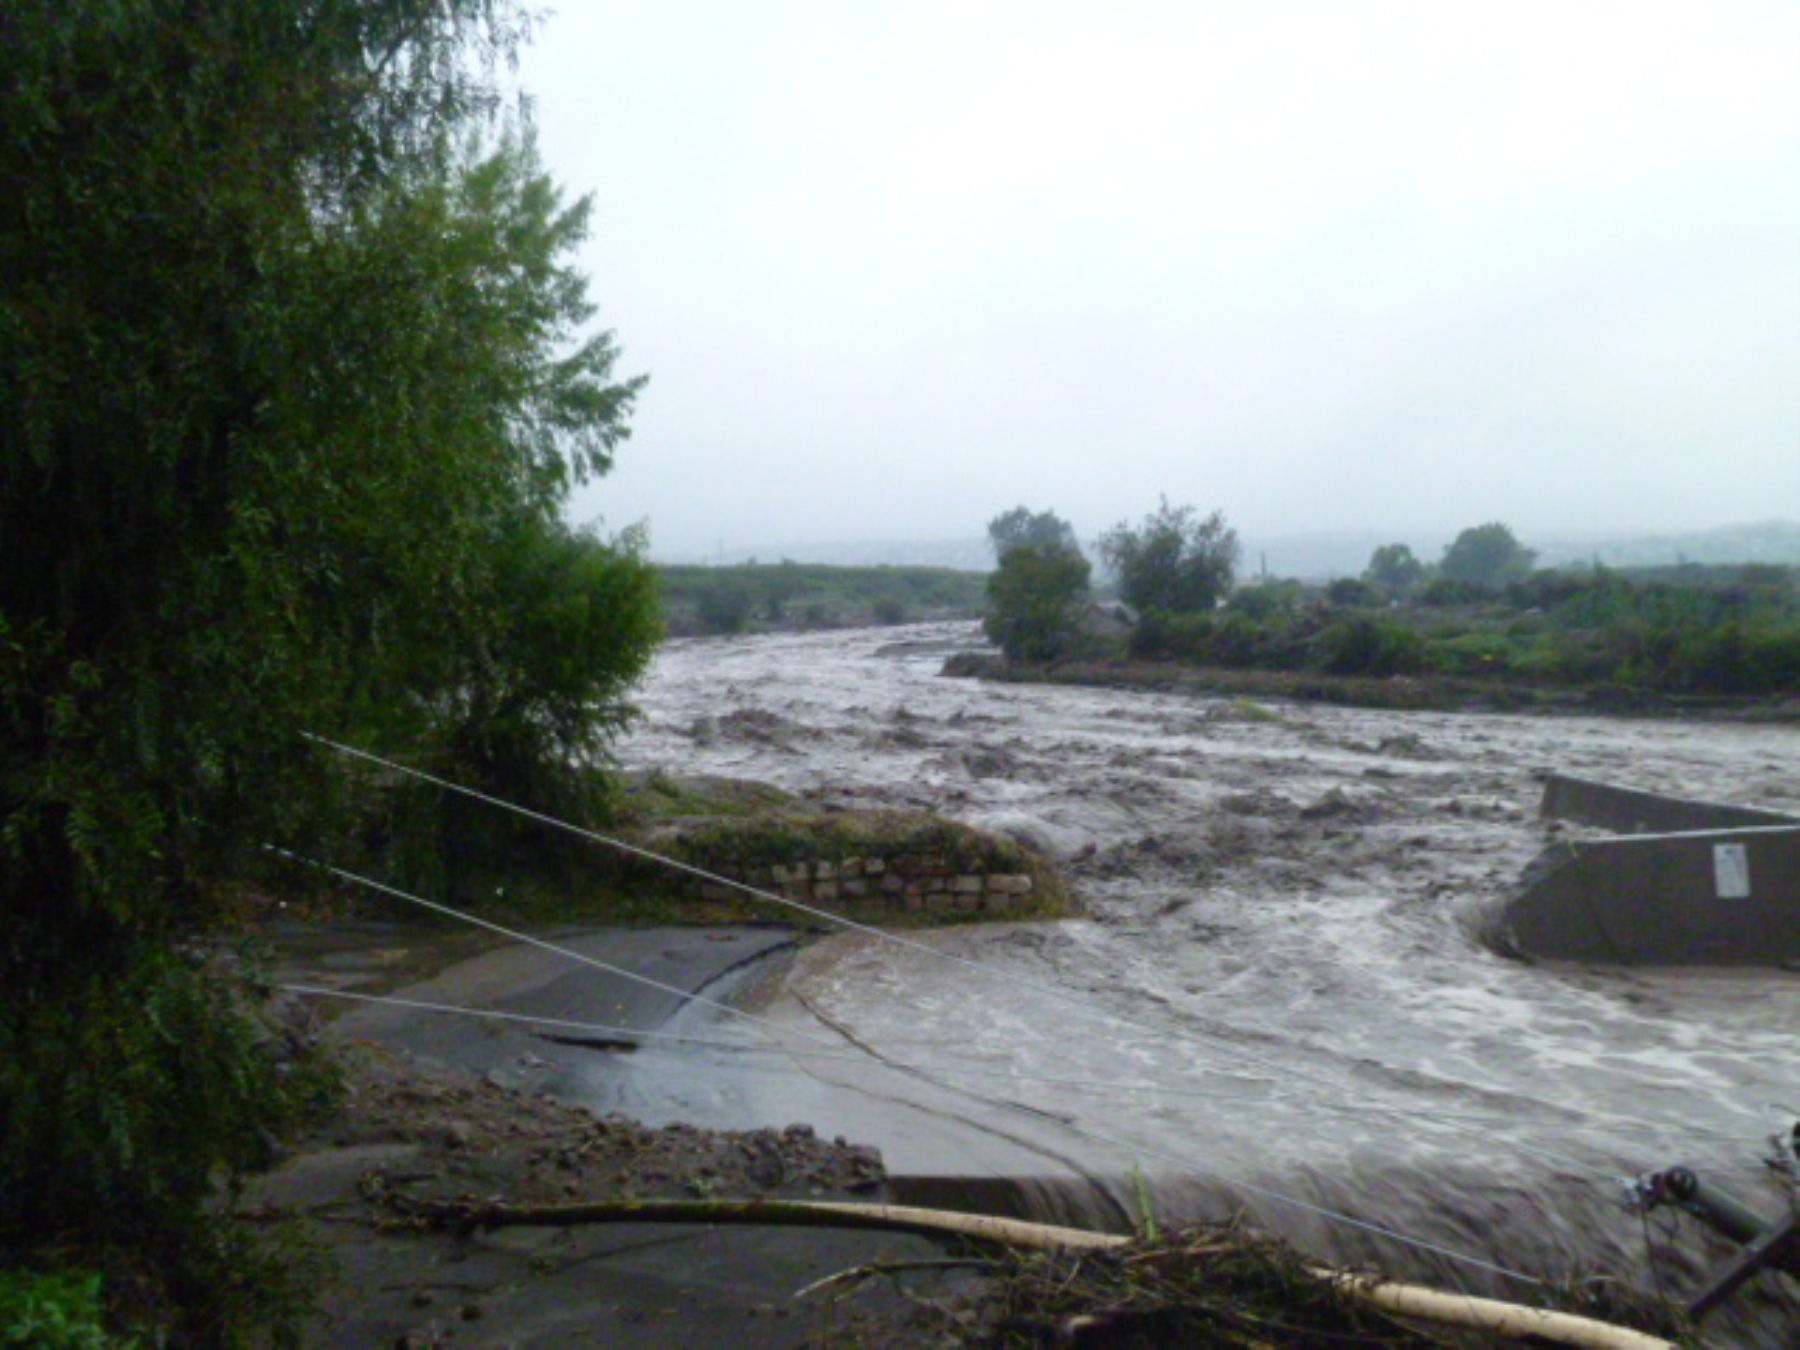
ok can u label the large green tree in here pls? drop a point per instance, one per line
(1044, 529)
(294, 378)
(1035, 599)
(1175, 562)
(1394, 568)
(1486, 555)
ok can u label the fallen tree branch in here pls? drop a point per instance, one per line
(1492, 1315)
(775, 1213)
(1407, 1300)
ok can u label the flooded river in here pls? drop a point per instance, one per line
(1274, 998)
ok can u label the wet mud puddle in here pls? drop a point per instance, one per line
(1275, 987)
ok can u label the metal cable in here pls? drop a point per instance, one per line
(1193, 1165)
(539, 943)
(1333, 1086)
(968, 1064)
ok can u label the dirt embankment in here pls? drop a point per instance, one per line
(1403, 693)
(411, 1138)
(411, 1132)
(444, 1108)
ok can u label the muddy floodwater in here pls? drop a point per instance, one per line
(1275, 998)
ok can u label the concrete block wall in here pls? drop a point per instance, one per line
(918, 883)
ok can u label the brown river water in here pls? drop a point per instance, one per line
(1274, 1000)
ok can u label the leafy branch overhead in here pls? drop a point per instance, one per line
(296, 373)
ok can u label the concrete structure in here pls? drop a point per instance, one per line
(1629, 811)
(1725, 890)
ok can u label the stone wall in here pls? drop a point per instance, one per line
(926, 884)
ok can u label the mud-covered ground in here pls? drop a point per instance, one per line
(409, 1131)
(410, 1137)
(442, 1107)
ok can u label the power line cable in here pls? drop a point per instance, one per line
(1331, 1085)
(683, 995)
(1263, 1192)
(968, 1065)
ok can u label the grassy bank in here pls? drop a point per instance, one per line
(902, 868)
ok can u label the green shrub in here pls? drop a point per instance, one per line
(1541, 657)
(1731, 659)
(1394, 570)
(1772, 660)
(1351, 593)
(1265, 599)
(128, 1099)
(723, 609)
(51, 1310)
(1481, 651)
(1545, 589)
(890, 609)
(1233, 639)
(1443, 592)
(1363, 645)
(1185, 637)
(1174, 562)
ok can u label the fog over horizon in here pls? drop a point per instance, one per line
(1327, 267)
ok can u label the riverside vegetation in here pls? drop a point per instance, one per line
(295, 378)
(758, 597)
(1481, 626)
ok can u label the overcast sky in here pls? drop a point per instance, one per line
(895, 267)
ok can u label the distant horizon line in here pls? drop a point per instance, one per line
(1566, 540)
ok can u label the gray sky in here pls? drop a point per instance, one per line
(896, 267)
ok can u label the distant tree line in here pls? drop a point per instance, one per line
(749, 597)
(1481, 611)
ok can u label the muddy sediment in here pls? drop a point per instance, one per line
(445, 1108)
(412, 1133)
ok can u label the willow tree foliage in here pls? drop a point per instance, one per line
(1175, 562)
(1019, 526)
(295, 375)
(1035, 599)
